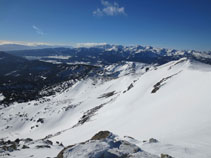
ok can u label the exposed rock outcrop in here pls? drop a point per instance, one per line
(104, 145)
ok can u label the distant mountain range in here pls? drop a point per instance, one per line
(108, 54)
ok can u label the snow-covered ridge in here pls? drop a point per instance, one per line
(170, 102)
(161, 51)
(140, 49)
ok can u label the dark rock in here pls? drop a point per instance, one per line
(9, 148)
(161, 83)
(129, 137)
(4, 148)
(13, 146)
(48, 142)
(25, 147)
(101, 135)
(147, 69)
(88, 114)
(17, 141)
(28, 140)
(42, 146)
(60, 155)
(61, 145)
(107, 95)
(130, 86)
(41, 120)
(165, 156)
(48, 136)
(152, 140)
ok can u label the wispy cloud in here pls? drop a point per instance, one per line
(89, 44)
(109, 9)
(2, 42)
(38, 30)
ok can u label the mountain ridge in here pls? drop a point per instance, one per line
(166, 100)
(109, 54)
(177, 113)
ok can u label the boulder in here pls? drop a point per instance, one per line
(101, 135)
(153, 140)
(104, 144)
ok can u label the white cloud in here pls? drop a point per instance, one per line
(109, 9)
(38, 30)
(89, 44)
(2, 42)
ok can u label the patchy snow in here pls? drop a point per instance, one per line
(72, 63)
(43, 77)
(1, 97)
(51, 61)
(51, 57)
(33, 57)
(26, 149)
(58, 57)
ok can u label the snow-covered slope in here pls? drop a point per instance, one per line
(170, 102)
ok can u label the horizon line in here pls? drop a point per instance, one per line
(86, 45)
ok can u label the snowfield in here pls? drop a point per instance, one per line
(170, 102)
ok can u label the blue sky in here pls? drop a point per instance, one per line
(180, 24)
